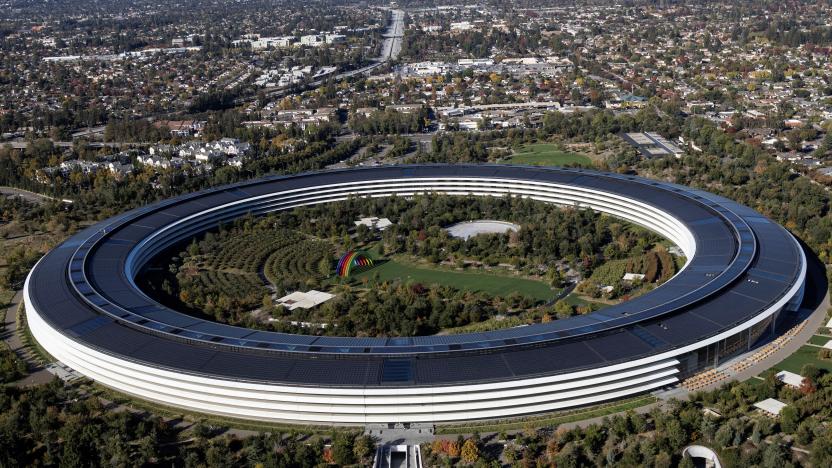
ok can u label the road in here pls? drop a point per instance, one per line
(31, 197)
(390, 50)
(392, 46)
(69, 144)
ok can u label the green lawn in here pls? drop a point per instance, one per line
(576, 301)
(497, 285)
(546, 154)
(819, 340)
(804, 355)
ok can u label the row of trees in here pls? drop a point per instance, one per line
(388, 122)
(740, 435)
(54, 425)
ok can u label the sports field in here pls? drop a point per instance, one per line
(546, 154)
(497, 285)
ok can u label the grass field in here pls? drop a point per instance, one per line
(546, 154)
(576, 301)
(469, 281)
(801, 357)
(819, 340)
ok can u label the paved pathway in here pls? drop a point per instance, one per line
(37, 373)
(27, 195)
(813, 322)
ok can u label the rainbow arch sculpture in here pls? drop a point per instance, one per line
(351, 260)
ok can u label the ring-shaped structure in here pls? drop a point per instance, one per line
(742, 271)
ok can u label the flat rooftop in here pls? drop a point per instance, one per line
(743, 264)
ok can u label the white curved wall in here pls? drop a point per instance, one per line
(355, 406)
(628, 209)
(700, 451)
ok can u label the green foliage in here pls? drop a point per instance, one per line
(140, 130)
(219, 273)
(18, 261)
(363, 448)
(343, 448)
(789, 419)
(50, 424)
(11, 367)
(442, 282)
(389, 122)
(612, 271)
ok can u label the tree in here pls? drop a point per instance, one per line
(470, 452)
(342, 448)
(724, 435)
(202, 430)
(811, 372)
(218, 454)
(663, 460)
(149, 447)
(775, 454)
(363, 447)
(687, 462)
(193, 249)
(676, 433)
(822, 451)
(563, 309)
(789, 419)
(452, 449)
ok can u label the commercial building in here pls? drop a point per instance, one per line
(743, 272)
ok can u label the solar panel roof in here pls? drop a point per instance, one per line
(743, 262)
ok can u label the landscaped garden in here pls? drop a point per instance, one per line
(418, 278)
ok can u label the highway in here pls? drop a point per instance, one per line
(390, 50)
(393, 37)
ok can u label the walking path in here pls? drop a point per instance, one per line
(814, 321)
(37, 373)
(809, 319)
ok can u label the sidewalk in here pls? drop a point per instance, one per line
(813, 320)
(37, 373)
